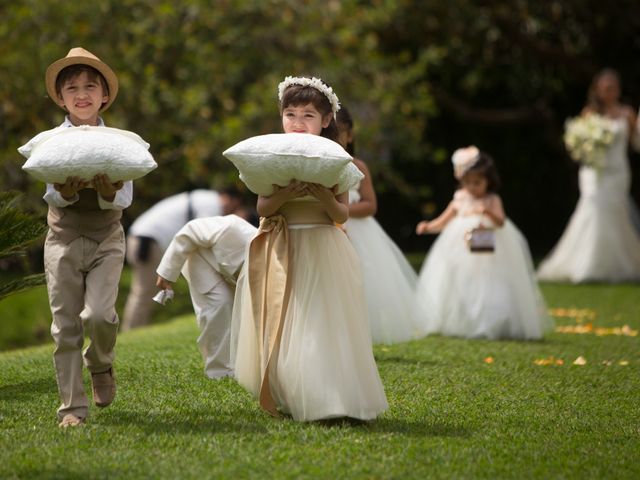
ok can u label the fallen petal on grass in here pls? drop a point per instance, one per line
(489, 360)
(624, 331)
(580, 314)
(586, 328)
(628, 331)
(580, 361)
(551, 360)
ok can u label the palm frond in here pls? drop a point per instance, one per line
(21, 284)
(17, 228)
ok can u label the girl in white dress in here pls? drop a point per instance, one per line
(600, 243)
(389, 280)
(489, 294)
(303, 341)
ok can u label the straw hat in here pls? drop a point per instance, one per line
(80, 56)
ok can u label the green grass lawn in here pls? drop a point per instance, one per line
(451, 415)
(25, 318)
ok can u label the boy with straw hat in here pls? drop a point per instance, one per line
(84, 249)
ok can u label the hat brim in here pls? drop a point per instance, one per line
(56, 67)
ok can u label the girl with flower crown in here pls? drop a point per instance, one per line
(477, 280)
(389, 280)
(301, 337)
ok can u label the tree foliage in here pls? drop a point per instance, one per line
(421, 77)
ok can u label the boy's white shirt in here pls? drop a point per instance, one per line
(220, 241)
(164, 219)
(122, 199)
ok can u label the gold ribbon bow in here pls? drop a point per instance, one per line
(270, 288)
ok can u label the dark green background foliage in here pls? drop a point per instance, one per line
(421, 78)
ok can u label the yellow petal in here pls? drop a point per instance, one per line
(489, 360)
(580, 361)
(550, 360)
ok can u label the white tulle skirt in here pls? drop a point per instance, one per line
(325, 366)
(389, 283)
(600, 242)
(481, 295)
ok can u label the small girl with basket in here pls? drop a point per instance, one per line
(478, 279)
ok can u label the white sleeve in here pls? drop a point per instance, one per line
(122, 200)
(55, 199)
(199, 233)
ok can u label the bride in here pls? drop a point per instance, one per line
(600, 242)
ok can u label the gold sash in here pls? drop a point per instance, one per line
(270, 288)
(270, 282)
(305, 212)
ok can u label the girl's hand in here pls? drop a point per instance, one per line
(269, 205)
(70, 187)
(422, 227)
(105, 187)
(164, 284)
(323, 194)
(295, 189)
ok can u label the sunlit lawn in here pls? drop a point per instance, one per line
(458, 409)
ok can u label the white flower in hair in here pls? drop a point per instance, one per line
(463, 159)
(314, 82)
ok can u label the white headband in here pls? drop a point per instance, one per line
(311, 82)
(463, 159)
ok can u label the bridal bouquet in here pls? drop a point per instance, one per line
(587, 138)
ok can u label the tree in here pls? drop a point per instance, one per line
(421, 77)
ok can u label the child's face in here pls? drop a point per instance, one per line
(475, 183)
(304, 119)
(83, 98)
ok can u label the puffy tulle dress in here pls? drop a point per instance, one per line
(490, 295)
(313, 358)
(389, 281)
(600, 242)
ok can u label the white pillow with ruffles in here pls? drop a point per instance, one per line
(85, 151)
(278, 158)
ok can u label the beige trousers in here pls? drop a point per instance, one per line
(140, 304)
(213, 314)
(82, 281)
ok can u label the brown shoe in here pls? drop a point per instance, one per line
(70, 420)
(104, 387)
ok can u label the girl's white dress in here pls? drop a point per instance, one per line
(600, 242)
(389, 281)
(324, 365)
(480, 295)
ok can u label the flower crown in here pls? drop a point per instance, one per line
(463, 159)
(311, 82)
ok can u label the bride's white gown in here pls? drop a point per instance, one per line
(600, 242)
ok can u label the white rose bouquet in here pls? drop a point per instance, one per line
(587, 138)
